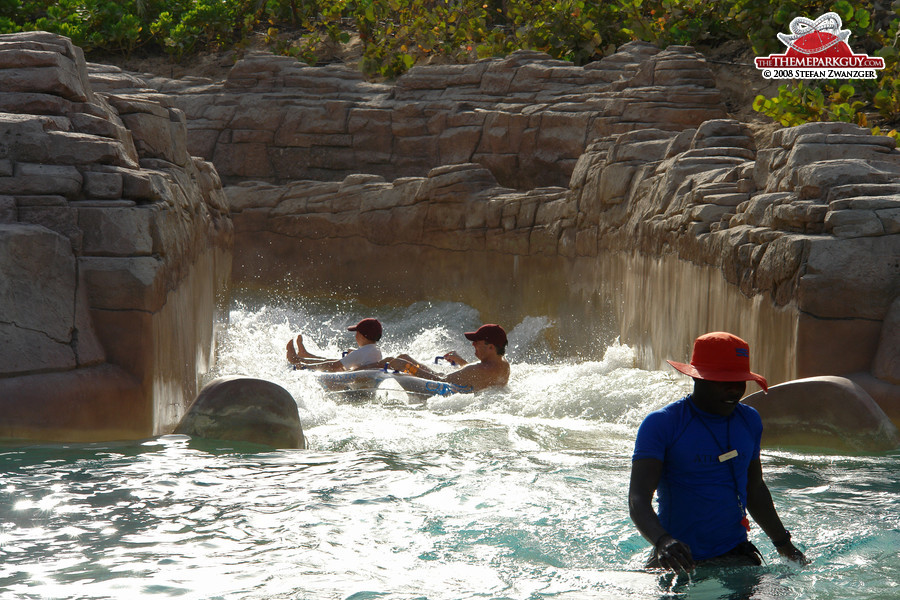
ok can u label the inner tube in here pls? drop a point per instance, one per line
(428, 387)
(363, 379)
(371, 379)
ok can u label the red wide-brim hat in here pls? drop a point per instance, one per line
(720, 356)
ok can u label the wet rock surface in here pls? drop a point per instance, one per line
(105, 221)
(631, 162)
(245, 409)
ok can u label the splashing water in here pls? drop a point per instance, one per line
(509, 494)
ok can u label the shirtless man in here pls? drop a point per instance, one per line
(492, 369)
(368, 332)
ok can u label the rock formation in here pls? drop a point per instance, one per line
(526, 117)
(824, 412)
(620, 181)
(244, 409)
(115, 245)
(616, 195)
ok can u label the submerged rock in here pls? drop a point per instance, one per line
(245, 409)
(824, 412)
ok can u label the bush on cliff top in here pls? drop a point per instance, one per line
(396, 34)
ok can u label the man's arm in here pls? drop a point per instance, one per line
(328, 366)
(407, 364)
(318, 364)
(762, 509)
(474, 377)
(455, 358)
(672, 554)
(462, 378)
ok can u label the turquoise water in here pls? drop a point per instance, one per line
(518, 494)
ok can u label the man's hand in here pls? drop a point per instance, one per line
(791, 552)
(397, 364)
(454, 358)
(674, 555)
(405, 364)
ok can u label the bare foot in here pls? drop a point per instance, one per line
(301, 349)
(292, 354)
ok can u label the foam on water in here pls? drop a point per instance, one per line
(611, 392)
(509, 494)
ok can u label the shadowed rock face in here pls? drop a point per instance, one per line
(824, 412)
(618, 189)
(114, 245)
(246, 410)
(629, 161)
(681, 237)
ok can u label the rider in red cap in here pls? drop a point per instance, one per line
(367, 354)
(701, 457)
(492, 369)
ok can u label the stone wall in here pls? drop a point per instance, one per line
(810, 304)
(115, 244)
(527, 118)
(689, 226)
(616, 198)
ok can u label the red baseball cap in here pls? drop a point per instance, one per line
(492, 334)
(720, 356)
(370, 328)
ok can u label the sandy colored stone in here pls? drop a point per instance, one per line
(51, 406)
(824, 412)
(885, 394)
(40, 179)
(102, 185)
(886, 365)
(837, 270)
(37, 289)
(116, 231)
(854, 223)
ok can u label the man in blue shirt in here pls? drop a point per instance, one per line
(701, 457)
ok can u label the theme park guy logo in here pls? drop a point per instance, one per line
(818, 50)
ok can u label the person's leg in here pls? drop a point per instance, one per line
(300, 355)
(301, 349)
(291, 356)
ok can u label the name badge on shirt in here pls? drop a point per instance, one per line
(728, 455)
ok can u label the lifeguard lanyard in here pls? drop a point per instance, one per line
(744, 521)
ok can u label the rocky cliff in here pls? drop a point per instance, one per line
(115, 245)
(617, 197)
(622, 183)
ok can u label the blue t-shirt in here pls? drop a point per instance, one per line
(701, 499)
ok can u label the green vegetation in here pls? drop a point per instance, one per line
(394, 35)
(866, 102)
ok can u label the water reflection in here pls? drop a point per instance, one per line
(513, 495)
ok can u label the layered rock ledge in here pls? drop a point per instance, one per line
(526, 117)
(623, 182)
(115, 245)
(617, 197)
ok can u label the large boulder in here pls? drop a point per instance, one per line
(245, 409)
(824, 412)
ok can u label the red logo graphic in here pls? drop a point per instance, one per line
(818, 50)
(815, 37)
